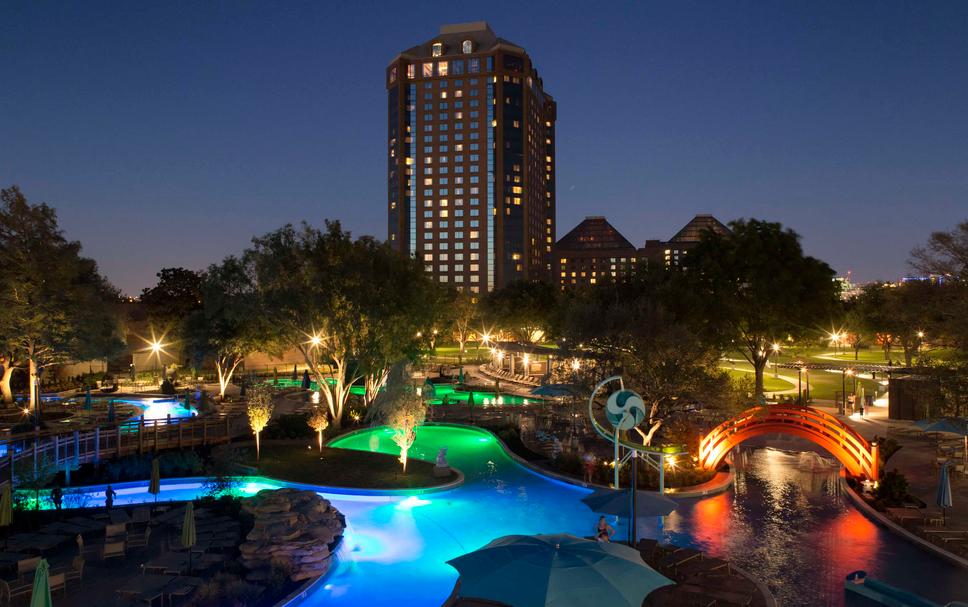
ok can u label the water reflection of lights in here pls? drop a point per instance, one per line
(412, 502)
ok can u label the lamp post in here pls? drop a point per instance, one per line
(854, 390)
(806, 376)
(799, 382)
(776, 359)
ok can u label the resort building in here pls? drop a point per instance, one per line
(592, 252)
(471, 159)
(671, 252)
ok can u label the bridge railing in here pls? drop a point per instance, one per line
(23, 455)
(823, 428)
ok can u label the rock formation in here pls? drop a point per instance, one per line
(295, 532)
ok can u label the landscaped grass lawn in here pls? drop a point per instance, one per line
(302, 462)
(770, 383)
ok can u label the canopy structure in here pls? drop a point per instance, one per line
(555, 571)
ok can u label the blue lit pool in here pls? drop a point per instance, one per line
(804, 536)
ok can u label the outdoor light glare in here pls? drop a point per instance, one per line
(920, 334)
(315, 340)
(776, 347)
(316, 397)
(155, 347)
(575, 365)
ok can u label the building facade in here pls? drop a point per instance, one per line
(594, 251)
(670, 253)
(471, 159)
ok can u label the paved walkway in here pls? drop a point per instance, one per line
(915, 459)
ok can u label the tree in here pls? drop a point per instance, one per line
(645, 329)
(54, 305)
(318, 421)
(461, 313)
(524, 309)
(902, 315)
(758, 287)
(176, 296)
(229, 323)
(259, 409)
(351, 307)
(945, 254)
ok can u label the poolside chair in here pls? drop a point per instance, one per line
(115, 532)
(139, 540)
(27, 566)
(58, 581)
(141, 515)
(112, 549)
(12, 591)
(73, 573)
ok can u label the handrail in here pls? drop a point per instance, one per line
(849, 447)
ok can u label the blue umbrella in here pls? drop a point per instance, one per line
(555, 390)
(546, 570)
(950, 425)
(943, 499)
(647, 503)
(88, 403)
(111, 411)
(429, 391)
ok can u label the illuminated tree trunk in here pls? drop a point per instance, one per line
(374, 382)
(5, 384)
(225, 365)
(32, 367)
(257, 447)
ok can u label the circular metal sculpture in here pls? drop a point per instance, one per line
(624, 409)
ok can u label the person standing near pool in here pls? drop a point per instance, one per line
(109, 495)
(605, 531)
(589, 464)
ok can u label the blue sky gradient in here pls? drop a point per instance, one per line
(170, 133)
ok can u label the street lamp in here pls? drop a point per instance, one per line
(851, 373)
(800, 382)
(776, 359)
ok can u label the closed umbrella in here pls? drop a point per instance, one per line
(556, 570)
(429, 391)
(295, 377)
(40, 596)
(6, 506)
(305, 380)
(943, 498)
(88, 403)
(460, 376)
(111, 411)
(188, 532)
(154, 487)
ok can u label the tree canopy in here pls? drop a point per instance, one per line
(55, 306)
(758, 287)
(351, 307)
(524, 309)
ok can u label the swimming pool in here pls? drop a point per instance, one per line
(804, 536)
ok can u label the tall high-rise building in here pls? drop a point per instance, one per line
(470, 159)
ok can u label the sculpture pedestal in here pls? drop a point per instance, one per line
(441, 471)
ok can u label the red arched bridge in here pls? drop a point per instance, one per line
(852, 450)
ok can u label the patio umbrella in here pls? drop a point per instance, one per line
(188, 532)
(6, 506)
(556, 570)
(470, 399)
(943, 498)
(88, 403)
(429, 391)
(305, 381)
(40, 596)
(154, 487)
(111, 411)
(950, 425)
(554, 390)
(460, 376)
(609, 501)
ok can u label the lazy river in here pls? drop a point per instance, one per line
(784, 521)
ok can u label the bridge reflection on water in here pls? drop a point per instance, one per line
(786, 522)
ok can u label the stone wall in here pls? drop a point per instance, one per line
(295, 531)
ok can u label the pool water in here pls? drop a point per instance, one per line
(481, 398)
(783, 521)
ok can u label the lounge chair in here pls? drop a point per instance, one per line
(73, 573)
(26, 567)
(58, 581)
(141, 515)
(115, 532)
(112, 549)
(12, 591)
(139, 540)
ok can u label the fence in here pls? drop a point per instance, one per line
(21, 454)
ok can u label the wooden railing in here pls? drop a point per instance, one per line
(23, 454)
(859, 456)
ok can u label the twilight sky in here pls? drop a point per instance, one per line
(169, 134)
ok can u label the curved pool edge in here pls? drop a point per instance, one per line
(867, 510)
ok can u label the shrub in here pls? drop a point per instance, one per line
(168, 388)
(893, 489)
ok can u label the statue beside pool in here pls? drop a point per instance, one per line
(441, 468)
